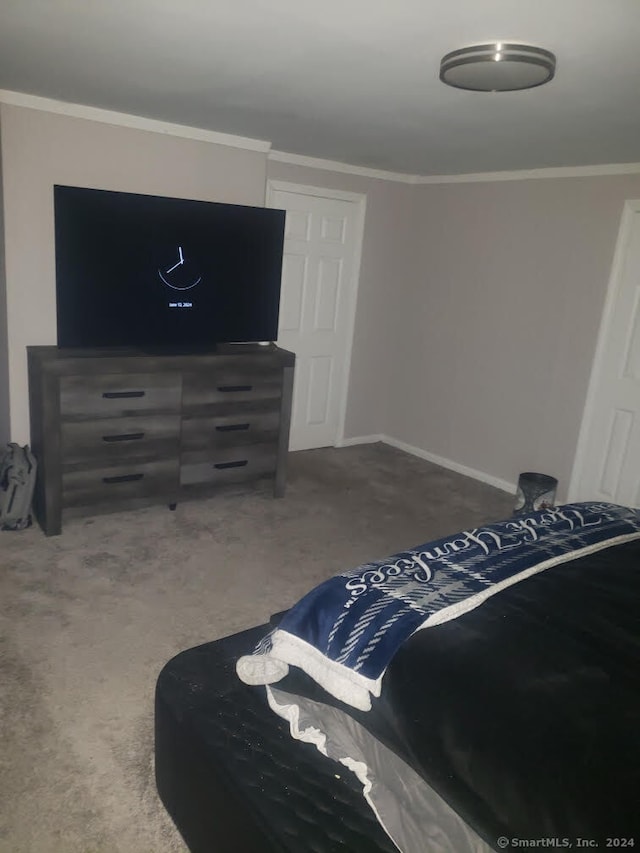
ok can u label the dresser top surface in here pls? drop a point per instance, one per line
(55, 360)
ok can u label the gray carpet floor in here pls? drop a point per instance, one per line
(90, 617)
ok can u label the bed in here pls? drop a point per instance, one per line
(480, 692)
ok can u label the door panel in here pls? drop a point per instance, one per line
(318, 391)
(294, 272)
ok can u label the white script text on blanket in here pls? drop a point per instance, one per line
(344, 633)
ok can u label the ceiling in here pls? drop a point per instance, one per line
(349, 80)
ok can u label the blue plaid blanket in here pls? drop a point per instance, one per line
(345, 632)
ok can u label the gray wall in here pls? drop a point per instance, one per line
(478, 312)
(500, 319)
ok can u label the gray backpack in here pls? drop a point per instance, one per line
(17, 480)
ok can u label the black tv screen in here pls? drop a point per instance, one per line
(165, 273)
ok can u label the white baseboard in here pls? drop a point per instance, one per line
(360, 439)
(490, 480)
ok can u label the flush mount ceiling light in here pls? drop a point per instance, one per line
(497, 67)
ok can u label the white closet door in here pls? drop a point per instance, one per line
(319, 282)
(608, 459)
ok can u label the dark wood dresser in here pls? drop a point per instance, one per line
(120, 429)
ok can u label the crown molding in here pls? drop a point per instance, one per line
(531, 174)
(479, 177)
(337, 166)
(35, 102)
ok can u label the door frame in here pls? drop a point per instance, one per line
(359, 200)
(630, 208)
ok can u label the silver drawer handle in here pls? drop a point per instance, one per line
(125, 436)
(239, 464)
(123, 478)
(231, 427)
(118, 395)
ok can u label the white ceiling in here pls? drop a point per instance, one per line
(349, 80)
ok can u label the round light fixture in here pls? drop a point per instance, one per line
(497, 67)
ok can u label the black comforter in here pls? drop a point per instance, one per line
(524, 714)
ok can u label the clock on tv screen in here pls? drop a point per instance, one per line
(151, 271)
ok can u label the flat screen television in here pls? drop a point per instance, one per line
(143, 271)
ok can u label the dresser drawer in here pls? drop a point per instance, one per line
(229, 430)
(94, 487)
(231, 465)
(116, 394)
(111, 441)
(233, 385)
